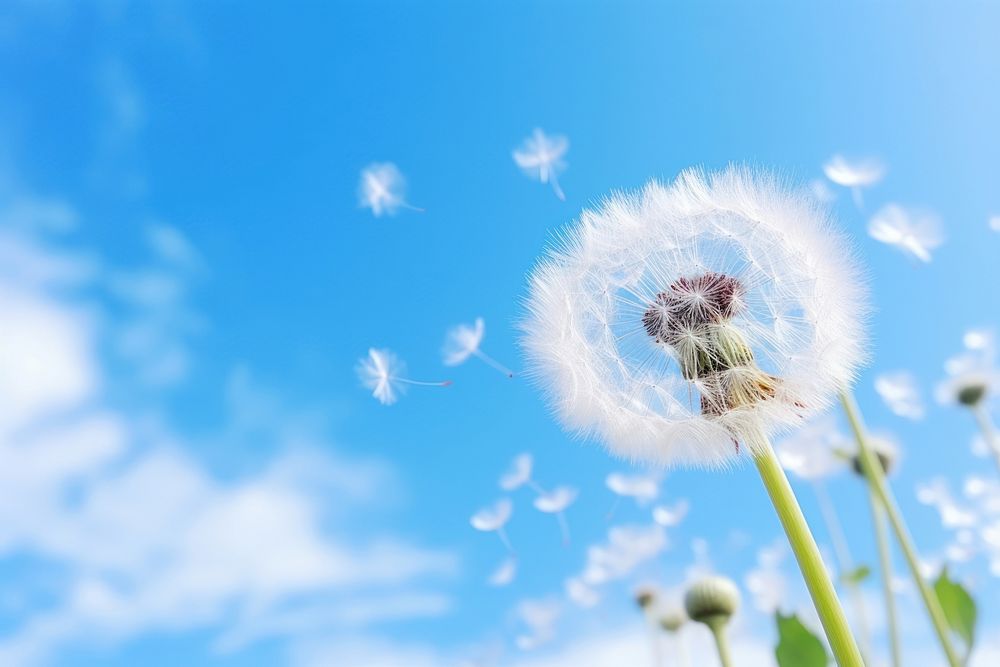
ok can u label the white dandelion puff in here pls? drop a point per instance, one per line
(383, 189)
(541, 157)
(916, 233)
(492, 519)
(464, 341)
(556, 502)
(382, 372)
(678, 322)
(504, 574)
(900, 391)
(854, 174)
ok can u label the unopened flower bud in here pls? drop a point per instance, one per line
(712, 600)
(672, 620)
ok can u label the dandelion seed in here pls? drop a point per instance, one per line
(901, 393)
(493, 519)
(914, 232)
(556, 502)
(581, 594)
(519, 473)
(669, 516)
(463, 341)
(383, 189)
(541, 158)
(854, 175)
(643, 488)
(504, 574)
(540, 617)
(382, 372)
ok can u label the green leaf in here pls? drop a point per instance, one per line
(959, 608)
(857, 575)
(797, 646)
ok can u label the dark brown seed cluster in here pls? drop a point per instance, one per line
(690, 302)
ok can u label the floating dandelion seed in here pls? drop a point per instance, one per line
(519, 474)
(504, 574)
(493, 519)
(463, 341)
(901, 393)
(642, 488)
(556, 502)
(541, 157)
(382, 372)
(671, 515)
(540, 617)
(626, 548)
(686, 323)
(383, 189)
(854, 175)
(581, 594)
(914, 232)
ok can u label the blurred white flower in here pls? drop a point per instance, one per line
(494, 518)
(854, 174)
(505, 573)
(382, 372)
(901, 393)
(581, 594)
(651, 326)
(669, 516)
(541, 157)
(814, 451)
(518, 474)
(643, 488)
(383, 189)
(914, 232)
(463, 341)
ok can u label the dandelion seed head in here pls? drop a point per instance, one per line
(677, 321)
(382, 188)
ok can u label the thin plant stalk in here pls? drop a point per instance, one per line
(680, 650)
(490, 361)
(989, 430)
(885, 567)
(718, 628)
(656, 654)
(872, 469)
(831, 614)
(845, 562)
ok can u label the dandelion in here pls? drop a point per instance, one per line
(382, 372)
(463, 341)
(642, 488)
(493, 519)
(972, 381)
(556, 502)
(504, 574)
(669, 516)
(712, 601)
(854, 175)
(686, 323)
(901, 393)
(541, 157)
(383, 189)
(914, 232)
(519, 474)
(671, 621)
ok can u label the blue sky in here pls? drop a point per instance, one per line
(191, 281)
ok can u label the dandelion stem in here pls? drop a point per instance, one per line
(831, 614)
(494, 363)
(989, 430)
(718, 628)
(502, 534)
(885, 567)
(563, 528)
(872, 469)
(681, 649)
(654, 640)
(845, 562)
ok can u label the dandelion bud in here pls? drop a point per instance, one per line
(971, 394)
(645, 597)
(886, 453)
(712, 600)
(672, 620)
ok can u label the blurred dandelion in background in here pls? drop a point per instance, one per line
(540, 156)
(916, 233)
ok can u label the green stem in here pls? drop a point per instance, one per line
(988, 429)
(876, 480)
(845, 563)
(885, 566)
(718, 628)
(824, 597)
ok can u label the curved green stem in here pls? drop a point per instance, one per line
(988, 429)
(885, 566)
(876, 480)
(718, 628)
(824, 597)
(845, 564)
